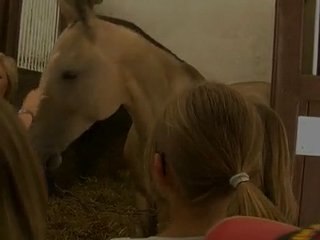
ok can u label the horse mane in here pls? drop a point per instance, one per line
(81, 8)
(194, 73)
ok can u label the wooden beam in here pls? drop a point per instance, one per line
(286, 77)
(287, 64)
(309, 87)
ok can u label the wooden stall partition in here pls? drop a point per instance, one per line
(294, 94)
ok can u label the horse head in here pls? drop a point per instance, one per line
(81, 83)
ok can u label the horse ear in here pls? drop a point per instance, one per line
(76, 10)
(67, 11)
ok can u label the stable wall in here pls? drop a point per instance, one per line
(229, 41)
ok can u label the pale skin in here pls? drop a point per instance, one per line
(186, 218)
(30, 103)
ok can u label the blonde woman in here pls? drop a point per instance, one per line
(205, 162)
(22, 190)
(8, 88)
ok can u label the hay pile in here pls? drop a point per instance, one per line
(97, 209)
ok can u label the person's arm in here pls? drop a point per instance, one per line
(30, 107)
(26, 117)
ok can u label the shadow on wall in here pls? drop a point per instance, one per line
(98, 152)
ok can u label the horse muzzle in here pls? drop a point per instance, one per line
(50, 164)
(53, 162)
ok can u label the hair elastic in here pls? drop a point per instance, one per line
(239, 178)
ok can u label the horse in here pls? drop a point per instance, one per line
(259, 92)
(96, 66)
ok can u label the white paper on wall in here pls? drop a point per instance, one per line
(308, 136)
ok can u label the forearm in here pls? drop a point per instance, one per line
(29, 107)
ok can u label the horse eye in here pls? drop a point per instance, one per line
(69, 75)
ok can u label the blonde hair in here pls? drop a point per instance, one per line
(277, 164)
(11, 70)
(23, 196)
(209, 134)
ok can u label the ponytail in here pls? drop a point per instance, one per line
(277, 164)
(249, 200)
(275, 198)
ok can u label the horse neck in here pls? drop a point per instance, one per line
(152, 81)
(150, 74)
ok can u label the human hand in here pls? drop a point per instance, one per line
(32, 101)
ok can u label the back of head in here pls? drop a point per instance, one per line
(22, 190)
(11, 70)
(210, 134)
(277, 164)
